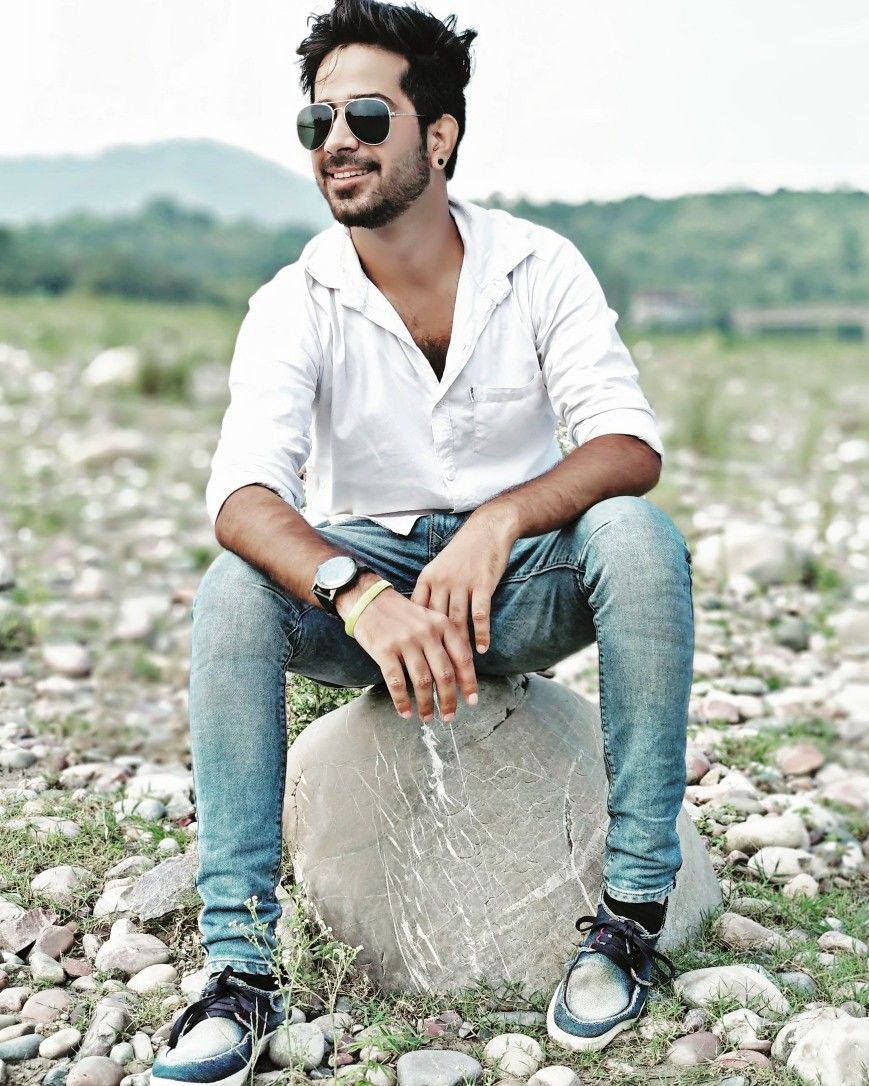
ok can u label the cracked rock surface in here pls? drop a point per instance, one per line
(455, 852)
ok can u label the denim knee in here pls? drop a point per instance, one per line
(236, 609)
(633, 528)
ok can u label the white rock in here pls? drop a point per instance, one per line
(743, 933)
(68, 658)
(159, 785)
(44, 968)
(297, 1045)
(799, 1025)
(60, 1043)
(801, 886)
(780, 864)
(740, 1028)
(833, 1053)
(112, 898)
(839, 942)
(151, 977)
(554, 1075)
(62, 884)
(115, 367)
(514, 1054)
(129, 954)
(762, 831)
(742, 549)
(750, 985)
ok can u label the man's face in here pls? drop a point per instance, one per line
(397, 170)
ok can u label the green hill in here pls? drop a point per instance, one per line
(229, 182)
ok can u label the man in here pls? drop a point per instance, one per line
(417, 357)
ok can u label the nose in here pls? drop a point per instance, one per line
(340, 137)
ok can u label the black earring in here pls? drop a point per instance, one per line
(440, 162)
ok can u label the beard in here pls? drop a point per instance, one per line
(408, 180)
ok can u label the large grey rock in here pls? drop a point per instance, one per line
(464, 852)
(833, 1054)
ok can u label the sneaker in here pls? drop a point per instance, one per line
(608, 978)
(219, 1037)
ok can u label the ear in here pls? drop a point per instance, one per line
(443, 134)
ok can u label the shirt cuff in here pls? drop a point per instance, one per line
(620, 420)
(217, 492)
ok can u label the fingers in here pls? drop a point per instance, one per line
(480, 613)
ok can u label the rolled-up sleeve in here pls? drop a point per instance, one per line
(265, 436)
(591, 379)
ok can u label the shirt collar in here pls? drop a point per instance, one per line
(495, 243)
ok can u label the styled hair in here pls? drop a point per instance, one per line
(439, 59)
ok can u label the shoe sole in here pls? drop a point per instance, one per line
(580, 1044)
(231, 1080)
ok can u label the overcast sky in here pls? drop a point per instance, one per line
(569, 100)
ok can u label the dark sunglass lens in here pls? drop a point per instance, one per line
(313, 125)
(368, 119)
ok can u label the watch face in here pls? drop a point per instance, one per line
(335, 572)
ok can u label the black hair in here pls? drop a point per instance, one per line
(439, 59)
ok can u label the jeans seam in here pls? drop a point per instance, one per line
(518, 579)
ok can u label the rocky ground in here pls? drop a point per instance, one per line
(103, 539)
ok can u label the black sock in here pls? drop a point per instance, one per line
(648, 914)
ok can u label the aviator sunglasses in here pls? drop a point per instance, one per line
(369, 119)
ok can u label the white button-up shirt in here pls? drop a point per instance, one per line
(326, 376)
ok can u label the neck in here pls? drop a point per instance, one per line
(416, 250)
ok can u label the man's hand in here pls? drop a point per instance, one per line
(466, 573)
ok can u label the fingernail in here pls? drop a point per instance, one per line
(427, 719)
(450, 717)
(407, 714)
(481, 648)
(472, 699)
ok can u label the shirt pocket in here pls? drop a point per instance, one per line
(505, 417)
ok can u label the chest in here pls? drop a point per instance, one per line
(429, 320)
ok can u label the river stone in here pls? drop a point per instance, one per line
(95, 1071)
(164, 888)
(833, 1053)
(749, 984)
(436, 1067)
(415, 840)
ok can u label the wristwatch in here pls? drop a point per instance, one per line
(333, 576)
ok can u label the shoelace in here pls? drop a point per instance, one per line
(219, 995)
(621, 942)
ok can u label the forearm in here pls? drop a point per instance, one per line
(275, 538)
(604, 467)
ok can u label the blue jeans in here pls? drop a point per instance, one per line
(620, 574)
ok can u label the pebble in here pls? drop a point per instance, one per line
(554, 1075)
(46, 1005)
(95, 1071)
(437, 1067)
(130, 953)
(694, 1049)
(748, 985)
(762, 831)
(301, 1044)
(60, 1043)
(43, 968)
(801, 886)
(742, 933)
(152, 977)
(68, 658)
(799, 759)
(20, 1048)
(62, 884)
(837, 942)
(780, 864)
(514, 1054)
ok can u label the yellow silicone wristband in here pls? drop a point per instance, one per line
(360, 605)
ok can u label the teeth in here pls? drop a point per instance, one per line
(349, 173)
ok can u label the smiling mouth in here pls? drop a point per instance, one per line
(348, 181)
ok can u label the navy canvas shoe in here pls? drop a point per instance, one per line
(607, 980)
(219, 1037)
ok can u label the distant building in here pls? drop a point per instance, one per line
(845, 321)
(666, 309)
